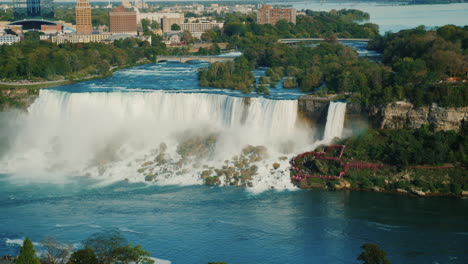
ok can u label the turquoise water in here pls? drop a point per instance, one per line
(393, 17)
(197, 224)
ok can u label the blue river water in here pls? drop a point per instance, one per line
(171, 77)
(396, 16)
(197, 224)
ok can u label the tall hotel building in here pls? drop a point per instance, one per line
(123, 21)
(269, 15)
(83, 17)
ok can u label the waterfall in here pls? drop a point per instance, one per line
(77, 133)
(335, 121)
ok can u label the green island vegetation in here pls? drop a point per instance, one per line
(234, 75)
(420, 161)
(422, 60)
(415, 64)
(100, 248)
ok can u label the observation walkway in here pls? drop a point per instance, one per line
(301, 167)
(301, 174)
(184, 59)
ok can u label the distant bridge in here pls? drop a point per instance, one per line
(296, 40)
(184, 59)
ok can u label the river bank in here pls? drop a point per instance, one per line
(22, 93)
(407, 188)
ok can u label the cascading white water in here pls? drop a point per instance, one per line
(112, 134)
(74, 133)
(335, 121)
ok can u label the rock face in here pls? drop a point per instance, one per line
(391, 116)
(404, 114)
(17, 98)
(313, 108)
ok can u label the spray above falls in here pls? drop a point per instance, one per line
(170, 138)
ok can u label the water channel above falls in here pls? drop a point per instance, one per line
(170, 77)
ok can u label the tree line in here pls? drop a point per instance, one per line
(100, 248)
(112, 248)
(240, 30)
(40, 60)
(403, 147)
(415, 64)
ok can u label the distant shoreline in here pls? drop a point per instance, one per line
(50, 84)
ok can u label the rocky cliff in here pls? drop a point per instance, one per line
(313, 108)
(17, 97)
(404, 114)
(392, 116)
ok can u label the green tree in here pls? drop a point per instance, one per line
(27, 253)
(32, 35)
(154, 25)
(373, 254)
(175, 27)
(410, 71)
(209, 35)
(130, 254)
(83, 256)
(111, 247)
(186, 37)
(145, 24)
(102, 67)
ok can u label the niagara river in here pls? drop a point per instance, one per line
(107, 154)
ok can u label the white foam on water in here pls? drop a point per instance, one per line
(161, 261)
(18, 242)
(128, 230)
(109, 135)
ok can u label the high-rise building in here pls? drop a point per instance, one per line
(33, 8)
(83, 17)
(123, 21)
(269, 15)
